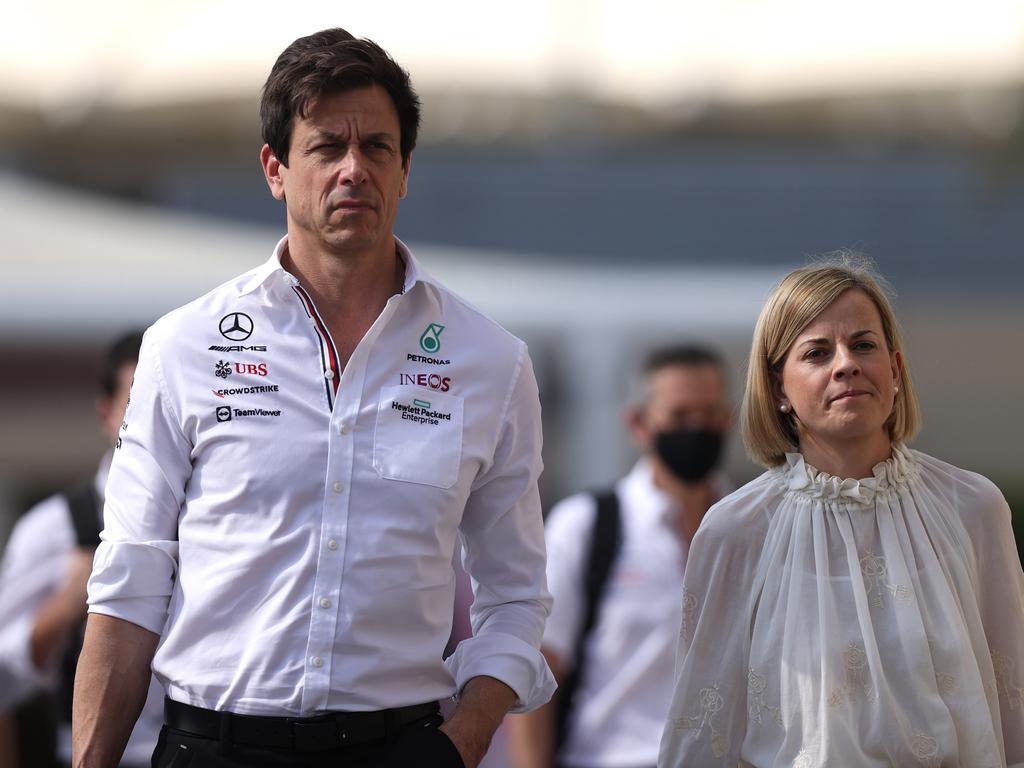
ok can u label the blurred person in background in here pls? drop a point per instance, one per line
(615, 567)
(303, 448)
(43, 578)
(860, 603)
(9, 747)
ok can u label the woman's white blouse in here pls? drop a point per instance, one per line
(875, 622)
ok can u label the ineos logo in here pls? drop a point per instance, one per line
(432, 380)
(237, 326)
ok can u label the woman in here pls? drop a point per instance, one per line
(859, 604)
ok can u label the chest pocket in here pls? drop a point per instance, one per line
(418, 436)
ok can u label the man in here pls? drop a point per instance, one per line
(615, 569)
(43, 579)
(304, 445)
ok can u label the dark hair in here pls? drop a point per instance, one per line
(681, 354)
(124, 351)
(328, 62)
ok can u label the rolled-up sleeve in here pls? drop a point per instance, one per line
(34, 566)
(136, 561)
(19, 677)
(503, 543)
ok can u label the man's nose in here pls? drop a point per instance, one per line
(353, 168)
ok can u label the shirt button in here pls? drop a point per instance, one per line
(316, 661)
(337, 487)
(332, 545)
(344, 429)
(328, 374)
(325, 603)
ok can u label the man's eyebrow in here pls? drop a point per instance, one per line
(324, 135)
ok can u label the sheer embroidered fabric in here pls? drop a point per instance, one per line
(874, 622)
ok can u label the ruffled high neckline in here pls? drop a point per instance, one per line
(801, 477)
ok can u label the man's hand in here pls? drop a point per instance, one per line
(63, 610)
(482, 706)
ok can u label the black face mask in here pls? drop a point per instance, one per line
(690, 454)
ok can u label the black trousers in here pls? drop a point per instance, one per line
(418, 743)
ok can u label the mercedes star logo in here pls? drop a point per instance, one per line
(237, 326)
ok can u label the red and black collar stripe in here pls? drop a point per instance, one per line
(328, 353)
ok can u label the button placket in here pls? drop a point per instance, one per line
(328, 584)
(324, 622)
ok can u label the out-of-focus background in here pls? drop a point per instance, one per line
(599, 175)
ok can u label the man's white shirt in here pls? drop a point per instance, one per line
(288, 527)
(34, 566)
(624, 695)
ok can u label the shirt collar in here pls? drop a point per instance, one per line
(414, 271)
(639, 492)
(642, 496)
(272, 269)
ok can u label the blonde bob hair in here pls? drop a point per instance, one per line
(801, 296)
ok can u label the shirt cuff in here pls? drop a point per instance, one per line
(19, 677)
(133, 582)
(506, 658)
(138, 611)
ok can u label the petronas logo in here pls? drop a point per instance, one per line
(430, 341)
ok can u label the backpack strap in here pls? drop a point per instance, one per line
(84, 510)
(604, 547)
(84, 506)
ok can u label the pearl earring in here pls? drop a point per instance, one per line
(784, 408)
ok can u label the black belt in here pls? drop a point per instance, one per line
(301, 734)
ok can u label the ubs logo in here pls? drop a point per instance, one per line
(252, 369)
(223, 369)
(237, 326)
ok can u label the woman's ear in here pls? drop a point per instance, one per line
(778, 392)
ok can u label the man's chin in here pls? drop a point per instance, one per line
(347, 241)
